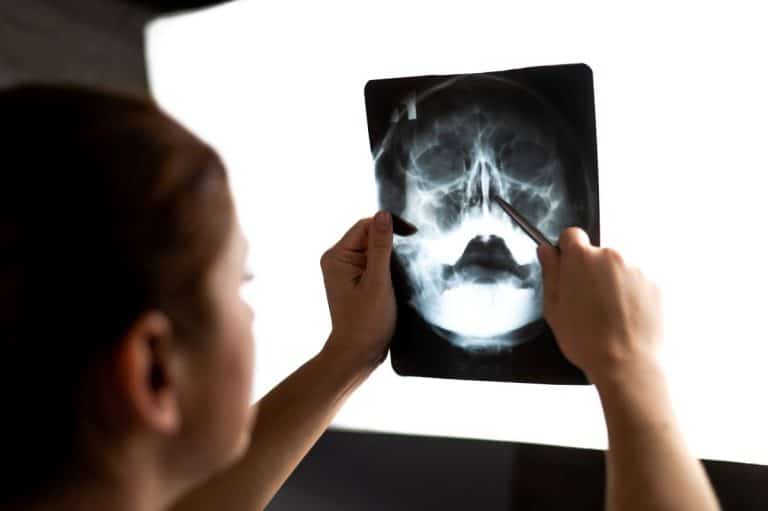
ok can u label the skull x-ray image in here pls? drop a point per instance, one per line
(468, 282)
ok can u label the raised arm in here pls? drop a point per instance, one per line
(294, 414)
(606, 317)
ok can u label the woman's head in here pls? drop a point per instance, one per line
(121, 325)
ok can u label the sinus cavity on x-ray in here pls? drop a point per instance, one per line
(468, 283)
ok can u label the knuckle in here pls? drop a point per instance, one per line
(583, 253)
(568, 236)
(576, 253)
(613, 256)
(326, 258)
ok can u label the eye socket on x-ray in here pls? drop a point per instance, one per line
(442, 163)
(469, 280)
(523, 158)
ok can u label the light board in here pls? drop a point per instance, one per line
(277, 88)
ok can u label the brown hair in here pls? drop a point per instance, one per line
(108, 208)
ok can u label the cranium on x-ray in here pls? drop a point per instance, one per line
(472, 274)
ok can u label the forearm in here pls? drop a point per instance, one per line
(649, 465)
(289, 421)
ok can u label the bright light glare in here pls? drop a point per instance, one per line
(277, 88)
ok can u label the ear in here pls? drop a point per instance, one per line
(147, 364)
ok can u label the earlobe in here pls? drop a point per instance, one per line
(165, 407)
(167, 416)
(146, 370)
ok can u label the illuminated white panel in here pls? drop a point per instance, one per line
(277, 87)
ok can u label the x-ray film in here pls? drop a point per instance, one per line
(468, 284)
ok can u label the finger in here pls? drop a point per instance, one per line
(350, 257)
(356, 238)
(550, 271)
(574, 238)
(379, 248)
(614, 256)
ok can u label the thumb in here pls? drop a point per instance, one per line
(550, 271)
(379, 248)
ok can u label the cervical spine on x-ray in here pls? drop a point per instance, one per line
(472, 273)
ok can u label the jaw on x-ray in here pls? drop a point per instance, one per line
(470, 273)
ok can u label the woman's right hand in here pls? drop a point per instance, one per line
(605, 314)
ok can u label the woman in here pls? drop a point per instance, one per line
(128, 351)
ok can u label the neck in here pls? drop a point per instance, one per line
(133, 484)
(98, 494)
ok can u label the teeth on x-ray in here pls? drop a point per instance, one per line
(473, 271)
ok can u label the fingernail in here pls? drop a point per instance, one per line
(383, 220)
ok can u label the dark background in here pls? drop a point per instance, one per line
(378, 472)
(100, 42)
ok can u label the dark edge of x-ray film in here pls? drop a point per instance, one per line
(442, 147)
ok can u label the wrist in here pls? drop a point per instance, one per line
(638, 372)
(635, 399)
(345, 363)
(635, 389)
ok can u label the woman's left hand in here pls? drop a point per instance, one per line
(358, 285)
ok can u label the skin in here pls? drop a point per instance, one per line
(606, 317)
(166, 413)
(296, 412)
(176, 430)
